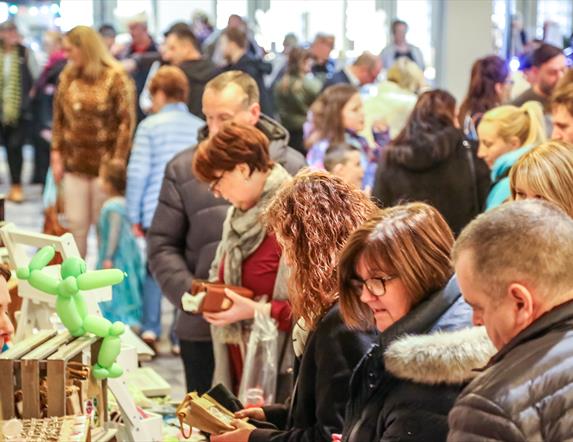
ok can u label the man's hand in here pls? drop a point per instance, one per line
(137, 230)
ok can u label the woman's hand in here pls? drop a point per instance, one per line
(336, 437)
(241, 434)
(256, 413)
(57, 166)
(242, 308)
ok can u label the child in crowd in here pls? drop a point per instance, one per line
(343, 161)
(338, 117)
(118, 248)
(6, 327)
(545, 172)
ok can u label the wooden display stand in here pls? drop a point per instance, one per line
(45, 355)
(37, 308)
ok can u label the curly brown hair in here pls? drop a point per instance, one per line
(312, 216)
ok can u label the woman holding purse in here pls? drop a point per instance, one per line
(326, 349)
(236, 164)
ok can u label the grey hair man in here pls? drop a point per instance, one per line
(513, 268)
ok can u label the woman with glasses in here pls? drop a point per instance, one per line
(236, 164)
(312, 217)
(393, 274)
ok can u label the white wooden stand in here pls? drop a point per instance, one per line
(38, 307)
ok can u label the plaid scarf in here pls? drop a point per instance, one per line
(10, 87)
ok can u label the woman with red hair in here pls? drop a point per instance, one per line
(326, 349)
(236, 164)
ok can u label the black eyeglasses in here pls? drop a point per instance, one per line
(376, 286)
(215, 183)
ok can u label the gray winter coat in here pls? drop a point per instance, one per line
(526, 393)
(188, 223)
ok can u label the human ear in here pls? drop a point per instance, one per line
(337, 169)
(522, 302)
(254, 113)
(244, 170)
(514, 142)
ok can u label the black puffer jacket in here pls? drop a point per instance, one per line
(435, 169)
(526, 394)
(405, 386)
(188, 223)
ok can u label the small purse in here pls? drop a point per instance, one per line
(215, 299)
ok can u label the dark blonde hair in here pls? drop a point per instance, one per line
(312, 216)
(328, 111)
(113, 172)
(244, 81)
(412, 242)
(547, 171)
(96, 56)
(234, 144)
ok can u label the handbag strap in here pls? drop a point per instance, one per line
(468, 149)
(182, 428)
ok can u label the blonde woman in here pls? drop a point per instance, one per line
(545, 172)
(505, 134)
(94, 115)
(395, 99)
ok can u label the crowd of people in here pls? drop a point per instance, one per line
(411, 251)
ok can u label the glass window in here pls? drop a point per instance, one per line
(362, 21)
(75, 13)
(229, 7)
(554, 20)
(418, 15)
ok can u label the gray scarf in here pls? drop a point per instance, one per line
(243, 233)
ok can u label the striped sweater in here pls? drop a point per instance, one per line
(157, 139)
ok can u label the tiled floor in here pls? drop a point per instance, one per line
(28, 215)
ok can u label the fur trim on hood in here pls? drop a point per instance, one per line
(441, 357)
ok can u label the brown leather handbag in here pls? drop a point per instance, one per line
(215, 299)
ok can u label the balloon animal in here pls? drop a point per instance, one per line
(71, 306)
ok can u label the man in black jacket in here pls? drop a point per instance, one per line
(188, 221)
(235, 46)
(513, 267)
(182, 50)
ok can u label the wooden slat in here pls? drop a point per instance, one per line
(70, 350)
(30, 389)
(49, 347)
(25, 346)
(7, 410)
(56, 387)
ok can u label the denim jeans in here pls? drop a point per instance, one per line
(151, 315)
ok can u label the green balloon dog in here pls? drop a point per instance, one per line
(71, 306)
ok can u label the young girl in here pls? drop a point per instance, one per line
(545, 172)
(338, 117)
(117, 247)
(506, 133)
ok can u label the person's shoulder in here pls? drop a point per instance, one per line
(179, 168)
